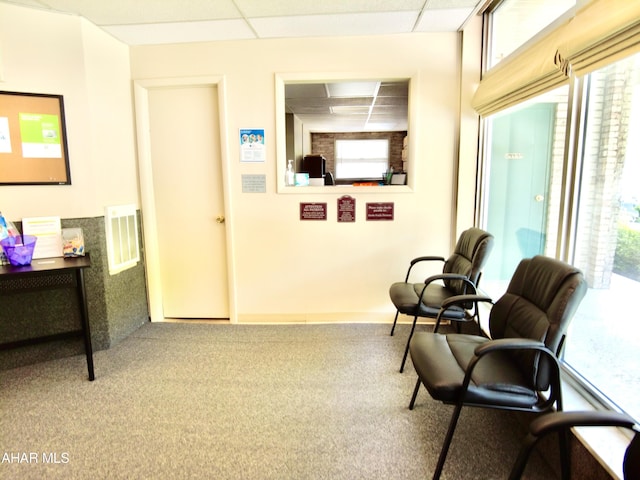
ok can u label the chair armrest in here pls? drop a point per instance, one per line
(465, 299)
(446, 276)
(502, 344)
(561, 420)
(424, 258)
(512, 344)
(460, 299)
(443, 276)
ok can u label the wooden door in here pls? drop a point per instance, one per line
(188, 196)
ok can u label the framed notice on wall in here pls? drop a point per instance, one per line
(33, 140)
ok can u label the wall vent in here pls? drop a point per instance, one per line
(121, 225)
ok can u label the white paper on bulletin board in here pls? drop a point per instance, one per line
(49, 233)
(252, 146)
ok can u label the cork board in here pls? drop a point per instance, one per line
(33, 140)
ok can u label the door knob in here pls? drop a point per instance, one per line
(220, 219)
(539, 198)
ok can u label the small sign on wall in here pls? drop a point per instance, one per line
(380, 211)
(254, 183)
(252, 145)
(346, 209)
(313, 211)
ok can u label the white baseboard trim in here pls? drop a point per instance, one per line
(340, 317)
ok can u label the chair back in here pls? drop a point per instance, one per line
(539, 303)
(468, 258)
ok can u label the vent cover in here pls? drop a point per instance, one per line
(121, 225)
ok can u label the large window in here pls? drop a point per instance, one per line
(607, 239)
(361, 159)
(515, 22)
(580, 201)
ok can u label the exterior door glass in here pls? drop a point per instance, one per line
(520, 191)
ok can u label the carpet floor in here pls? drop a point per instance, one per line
(203, 401)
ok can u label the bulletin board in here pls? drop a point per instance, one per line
(33, 140)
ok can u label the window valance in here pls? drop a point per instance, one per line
(601, 32)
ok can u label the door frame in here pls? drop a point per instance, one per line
(147, 198)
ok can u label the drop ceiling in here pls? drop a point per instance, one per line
(145, 22)
(370, 106)
(155, 22)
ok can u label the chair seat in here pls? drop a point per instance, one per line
(440, 361)
(405, 297)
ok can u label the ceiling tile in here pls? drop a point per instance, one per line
(278, 8)
(128, 12)
(448, 20)
(350, 109)
(334, 25)
(164, 33)
(353, 89)
(305, 90)
(440, 4)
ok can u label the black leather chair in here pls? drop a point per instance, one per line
(517, 369)
(561, 422)
(460, 275)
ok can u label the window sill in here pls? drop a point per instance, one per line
(606, 444)
(345, 189)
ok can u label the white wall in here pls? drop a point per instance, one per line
(284, 269)
(287, 269)
(59, 54)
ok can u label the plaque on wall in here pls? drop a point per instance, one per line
(254, 183)
(346, 209)
(313, 211)
(380, 211)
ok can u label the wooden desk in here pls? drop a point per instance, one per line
(46, 274)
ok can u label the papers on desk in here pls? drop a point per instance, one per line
(49, 233)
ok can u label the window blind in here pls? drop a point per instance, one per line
(526, 73)
(601, 32)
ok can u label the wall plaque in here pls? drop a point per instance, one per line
(346, 209)
(380, 211)
(254, 183)
(313, 211)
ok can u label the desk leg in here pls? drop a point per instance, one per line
(84, 313)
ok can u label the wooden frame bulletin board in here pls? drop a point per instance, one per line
(33, 140)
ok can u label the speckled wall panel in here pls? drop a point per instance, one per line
(117, 306)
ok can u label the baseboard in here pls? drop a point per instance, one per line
(340, 317)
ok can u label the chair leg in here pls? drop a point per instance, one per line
(394, 322)
(565, 454)
(447, 441)
(527, 447)
(521, 462)
(415, 394)
(406, 349)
